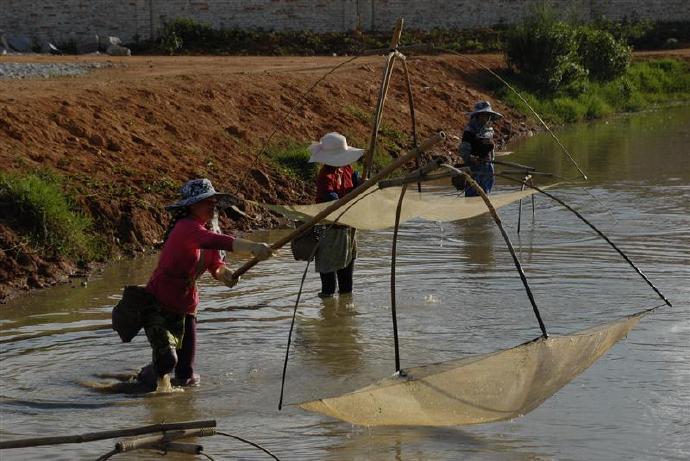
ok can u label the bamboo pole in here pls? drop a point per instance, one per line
(376, 120)
(416, 178)
(156, 440)
(383, 91)
(380, 51)
(394, 251)
(413, 117)
(400, 161)
(93, 436)
(420, 174)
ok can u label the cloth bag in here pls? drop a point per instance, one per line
(303, 246)
(127, 315)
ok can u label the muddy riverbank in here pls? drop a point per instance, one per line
(125, 136)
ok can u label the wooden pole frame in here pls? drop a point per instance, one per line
(383, 92)
(394, 53)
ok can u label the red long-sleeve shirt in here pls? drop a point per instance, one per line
(334, 180)
(173, 281)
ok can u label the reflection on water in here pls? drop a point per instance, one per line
(476, 240)
(332, 337)
(458, 294)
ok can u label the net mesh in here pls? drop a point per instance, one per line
(478, 389)
(377, 210)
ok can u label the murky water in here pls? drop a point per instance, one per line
(458, 294)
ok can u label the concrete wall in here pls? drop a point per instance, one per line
(61, 20)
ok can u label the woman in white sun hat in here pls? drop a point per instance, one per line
(189, 250)
(477, 147)
(335, 257)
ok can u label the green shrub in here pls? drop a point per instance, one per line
(184, 35)
(645, 34)
(37, 204)
(601, 54)
(545, 50)
(643, 85)
(187, 33)
(628, 30)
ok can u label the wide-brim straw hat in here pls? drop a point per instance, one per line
(333, 150)
(484, 107)
(196, 190)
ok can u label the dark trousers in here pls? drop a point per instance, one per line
(344, 277)
(185, 356)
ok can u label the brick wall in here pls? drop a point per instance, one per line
(61, 20)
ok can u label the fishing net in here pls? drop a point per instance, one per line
(377, 210)
(477, 389)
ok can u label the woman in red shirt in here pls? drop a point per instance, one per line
(189, 250)
(335, 257)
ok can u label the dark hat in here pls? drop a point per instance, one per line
(195, 191)
(484, 107)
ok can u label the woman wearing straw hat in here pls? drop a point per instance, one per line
(189, 250)
(477, 147)
(335, 257)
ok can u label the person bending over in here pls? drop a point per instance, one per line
(189, 250)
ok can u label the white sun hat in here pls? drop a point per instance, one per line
(333, 150)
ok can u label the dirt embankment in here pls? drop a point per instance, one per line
(128, 135)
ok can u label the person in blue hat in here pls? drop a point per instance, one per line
(477, 147)
(190, 249)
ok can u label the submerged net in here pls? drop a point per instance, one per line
(478, 389)
(377, 210)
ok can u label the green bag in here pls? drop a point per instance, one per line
(127, 315)
(303, 246)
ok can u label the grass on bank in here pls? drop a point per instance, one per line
(644, 85)
(37, 205)
(292, 159)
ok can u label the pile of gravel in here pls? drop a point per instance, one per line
(10, 70)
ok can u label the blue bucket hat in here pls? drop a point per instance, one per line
(195, 191)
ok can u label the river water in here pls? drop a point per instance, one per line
(458, 294)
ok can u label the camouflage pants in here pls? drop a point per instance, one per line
(164, 330)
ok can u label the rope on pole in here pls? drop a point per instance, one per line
(603, 236)
(517, 93)
(299, 103)
(249, 442)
